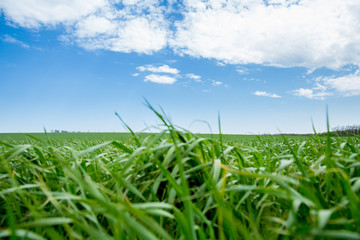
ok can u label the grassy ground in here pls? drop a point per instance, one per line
(176, 185)
(23, 137)
(96, 137)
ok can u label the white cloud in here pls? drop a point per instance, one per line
(284, 33)
(217, 83)
(167, 70)
(308, 33)
(162, 79)
(310, 93)
(282, 2)
(138, 26)
(93, 26)
(10, 39)
(160, 69)
(193, 76)
(221, 64)
(197, 78)
(137, 34)
(348, 85)
(242, 70)
(35, 13)
(266, 94)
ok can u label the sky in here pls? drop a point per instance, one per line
(263, 66)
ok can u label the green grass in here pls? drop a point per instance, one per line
(23, 137)
(101, 136)
(177, 185)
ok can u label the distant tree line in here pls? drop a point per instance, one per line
(346, 130)
(63, 131)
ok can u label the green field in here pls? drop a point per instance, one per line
(97, 137)
(23, 137)
(177, 185)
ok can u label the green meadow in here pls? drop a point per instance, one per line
(178, 185)
(96, 137)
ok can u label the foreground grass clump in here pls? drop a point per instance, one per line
(176, 185)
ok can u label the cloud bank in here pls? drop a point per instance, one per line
(283, 33)
(306, 33)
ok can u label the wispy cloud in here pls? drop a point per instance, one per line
(197, 78)
(311, 93)
(346, 86)
(10, 39)
(242, 70)
(161, 79)
(217, 83)
(158, 69)
(266, 94)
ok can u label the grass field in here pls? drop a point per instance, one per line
(177, 185)
(96, 137)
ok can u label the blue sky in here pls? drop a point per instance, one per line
(265, 66)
